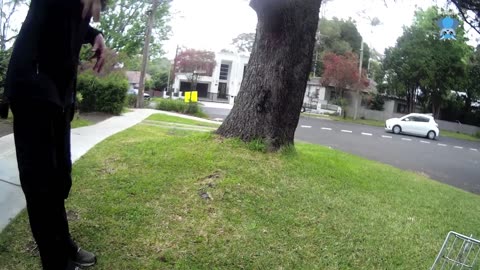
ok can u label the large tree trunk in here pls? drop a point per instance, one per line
(436, 105)
(468, 105)
(410, 106)
(270, 100)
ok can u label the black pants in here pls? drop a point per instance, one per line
(42, 140)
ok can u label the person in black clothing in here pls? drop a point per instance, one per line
(41, 89)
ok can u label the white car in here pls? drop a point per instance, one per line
(135, 92)
(414, 124)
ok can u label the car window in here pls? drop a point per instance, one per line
(419, 119)
(415, 119)
(423, 119)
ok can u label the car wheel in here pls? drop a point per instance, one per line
(397, 129)
(431, 135)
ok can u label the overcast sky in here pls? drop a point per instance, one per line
(212, 24)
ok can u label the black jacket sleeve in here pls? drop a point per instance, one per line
(3, 110)
(23, 75)
(91, 34)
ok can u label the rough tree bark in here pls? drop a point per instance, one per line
(270, 100)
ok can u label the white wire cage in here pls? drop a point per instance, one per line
(458, 252)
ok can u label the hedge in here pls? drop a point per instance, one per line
(103, 94)
(178, 105)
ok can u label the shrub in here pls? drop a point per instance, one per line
(171, 105)
(192, 108)
(179, 106)
(79, 100)
(377, 103)
(131, 101)
(4, 60)
(477, 134)
(103, 94)
(343, 103)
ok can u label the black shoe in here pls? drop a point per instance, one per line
(84, 258)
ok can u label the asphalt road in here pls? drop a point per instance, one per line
(214, 113)
(451, 161)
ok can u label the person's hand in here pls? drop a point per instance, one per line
(99, 49)
(92, 7)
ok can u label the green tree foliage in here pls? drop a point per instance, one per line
(7, 35)
(159, 65)
(376, 103)
(339, 37)
(420, 60)
(102, 94)
(124, 25)
(148, 85)
(472, 82)
(160, 81)
(158, 68)
(375, 71)
(134, 63)
(4, 60)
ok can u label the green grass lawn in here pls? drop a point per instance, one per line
(173, 119)
(80, 122)
(156, 198)
(460, 136)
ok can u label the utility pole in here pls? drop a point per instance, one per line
(357, 91)
(168, 80)
(1, 24)
(146, 48)
(171, 74)
(361, 62)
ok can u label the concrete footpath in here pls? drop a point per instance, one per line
(12, 200)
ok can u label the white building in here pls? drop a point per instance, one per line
(225, 82)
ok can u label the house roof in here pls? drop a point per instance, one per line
(134, 76)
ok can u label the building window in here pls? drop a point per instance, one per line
(224, 72)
